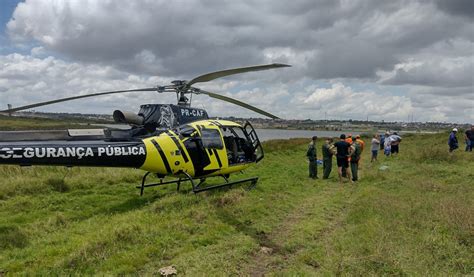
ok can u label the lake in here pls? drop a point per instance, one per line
(269, 134)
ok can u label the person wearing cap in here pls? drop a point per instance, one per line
(453, 140)
(349, 138)
(312, 158)
(328, 150)
(342, 156)
(361, 142)
(355, 153)
(395, 140)
(469, 136)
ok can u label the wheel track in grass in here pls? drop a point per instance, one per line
(332, 214)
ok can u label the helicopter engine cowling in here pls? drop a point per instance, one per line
(127, 117)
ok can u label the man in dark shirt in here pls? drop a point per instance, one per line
(469, 139)
(342, 156)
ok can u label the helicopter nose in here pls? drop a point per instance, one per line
(166, 155)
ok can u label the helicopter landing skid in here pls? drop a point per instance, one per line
(196, 187)
(252, 180)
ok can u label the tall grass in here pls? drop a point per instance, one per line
(413, 218)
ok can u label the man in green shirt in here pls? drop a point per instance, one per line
(328, 152)
(355, 157)
(312, 158)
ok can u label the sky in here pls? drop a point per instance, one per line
(351, 59)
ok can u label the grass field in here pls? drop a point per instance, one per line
(414, 218)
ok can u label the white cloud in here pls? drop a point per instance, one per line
(38, 51)
(433, 70)
(420, 49)
(341, 101)
(26, 79)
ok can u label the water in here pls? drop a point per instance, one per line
(269, 134)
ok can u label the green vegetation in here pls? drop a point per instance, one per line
(414, 218)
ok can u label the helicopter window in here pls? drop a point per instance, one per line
(238, 147)
(186, 131)
(211, 138)
(238, 131)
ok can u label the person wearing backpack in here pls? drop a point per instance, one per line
(355, 157)
(328, 151)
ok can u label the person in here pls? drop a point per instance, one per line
(342, 155)
(382, 141)
(469, 136)
(395, 143)
(356, 151)
(349, 138)
(453, 140)
(328, 152)
(375, 143)
(312, 158)
(387, 148)
(361, 143)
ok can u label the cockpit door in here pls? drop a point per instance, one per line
(213, 146)
(253, 138)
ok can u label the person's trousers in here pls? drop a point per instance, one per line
(313, 169)
(354, 171)
(327, 167)
(469, 145)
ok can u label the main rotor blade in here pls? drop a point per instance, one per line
(237, 102)
(218, 74)
(73, 98)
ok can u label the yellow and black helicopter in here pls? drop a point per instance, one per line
(164, 139)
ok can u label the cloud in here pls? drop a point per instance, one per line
(436, 72)
(398, 50)
(457, 7)
(26, 79)
(341, 39)
(341, 101)
(443, 108)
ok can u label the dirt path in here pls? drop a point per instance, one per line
(319, 205)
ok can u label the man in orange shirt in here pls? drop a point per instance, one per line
(349, 138)
(361, 142)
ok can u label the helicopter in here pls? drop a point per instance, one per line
(170, 141)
